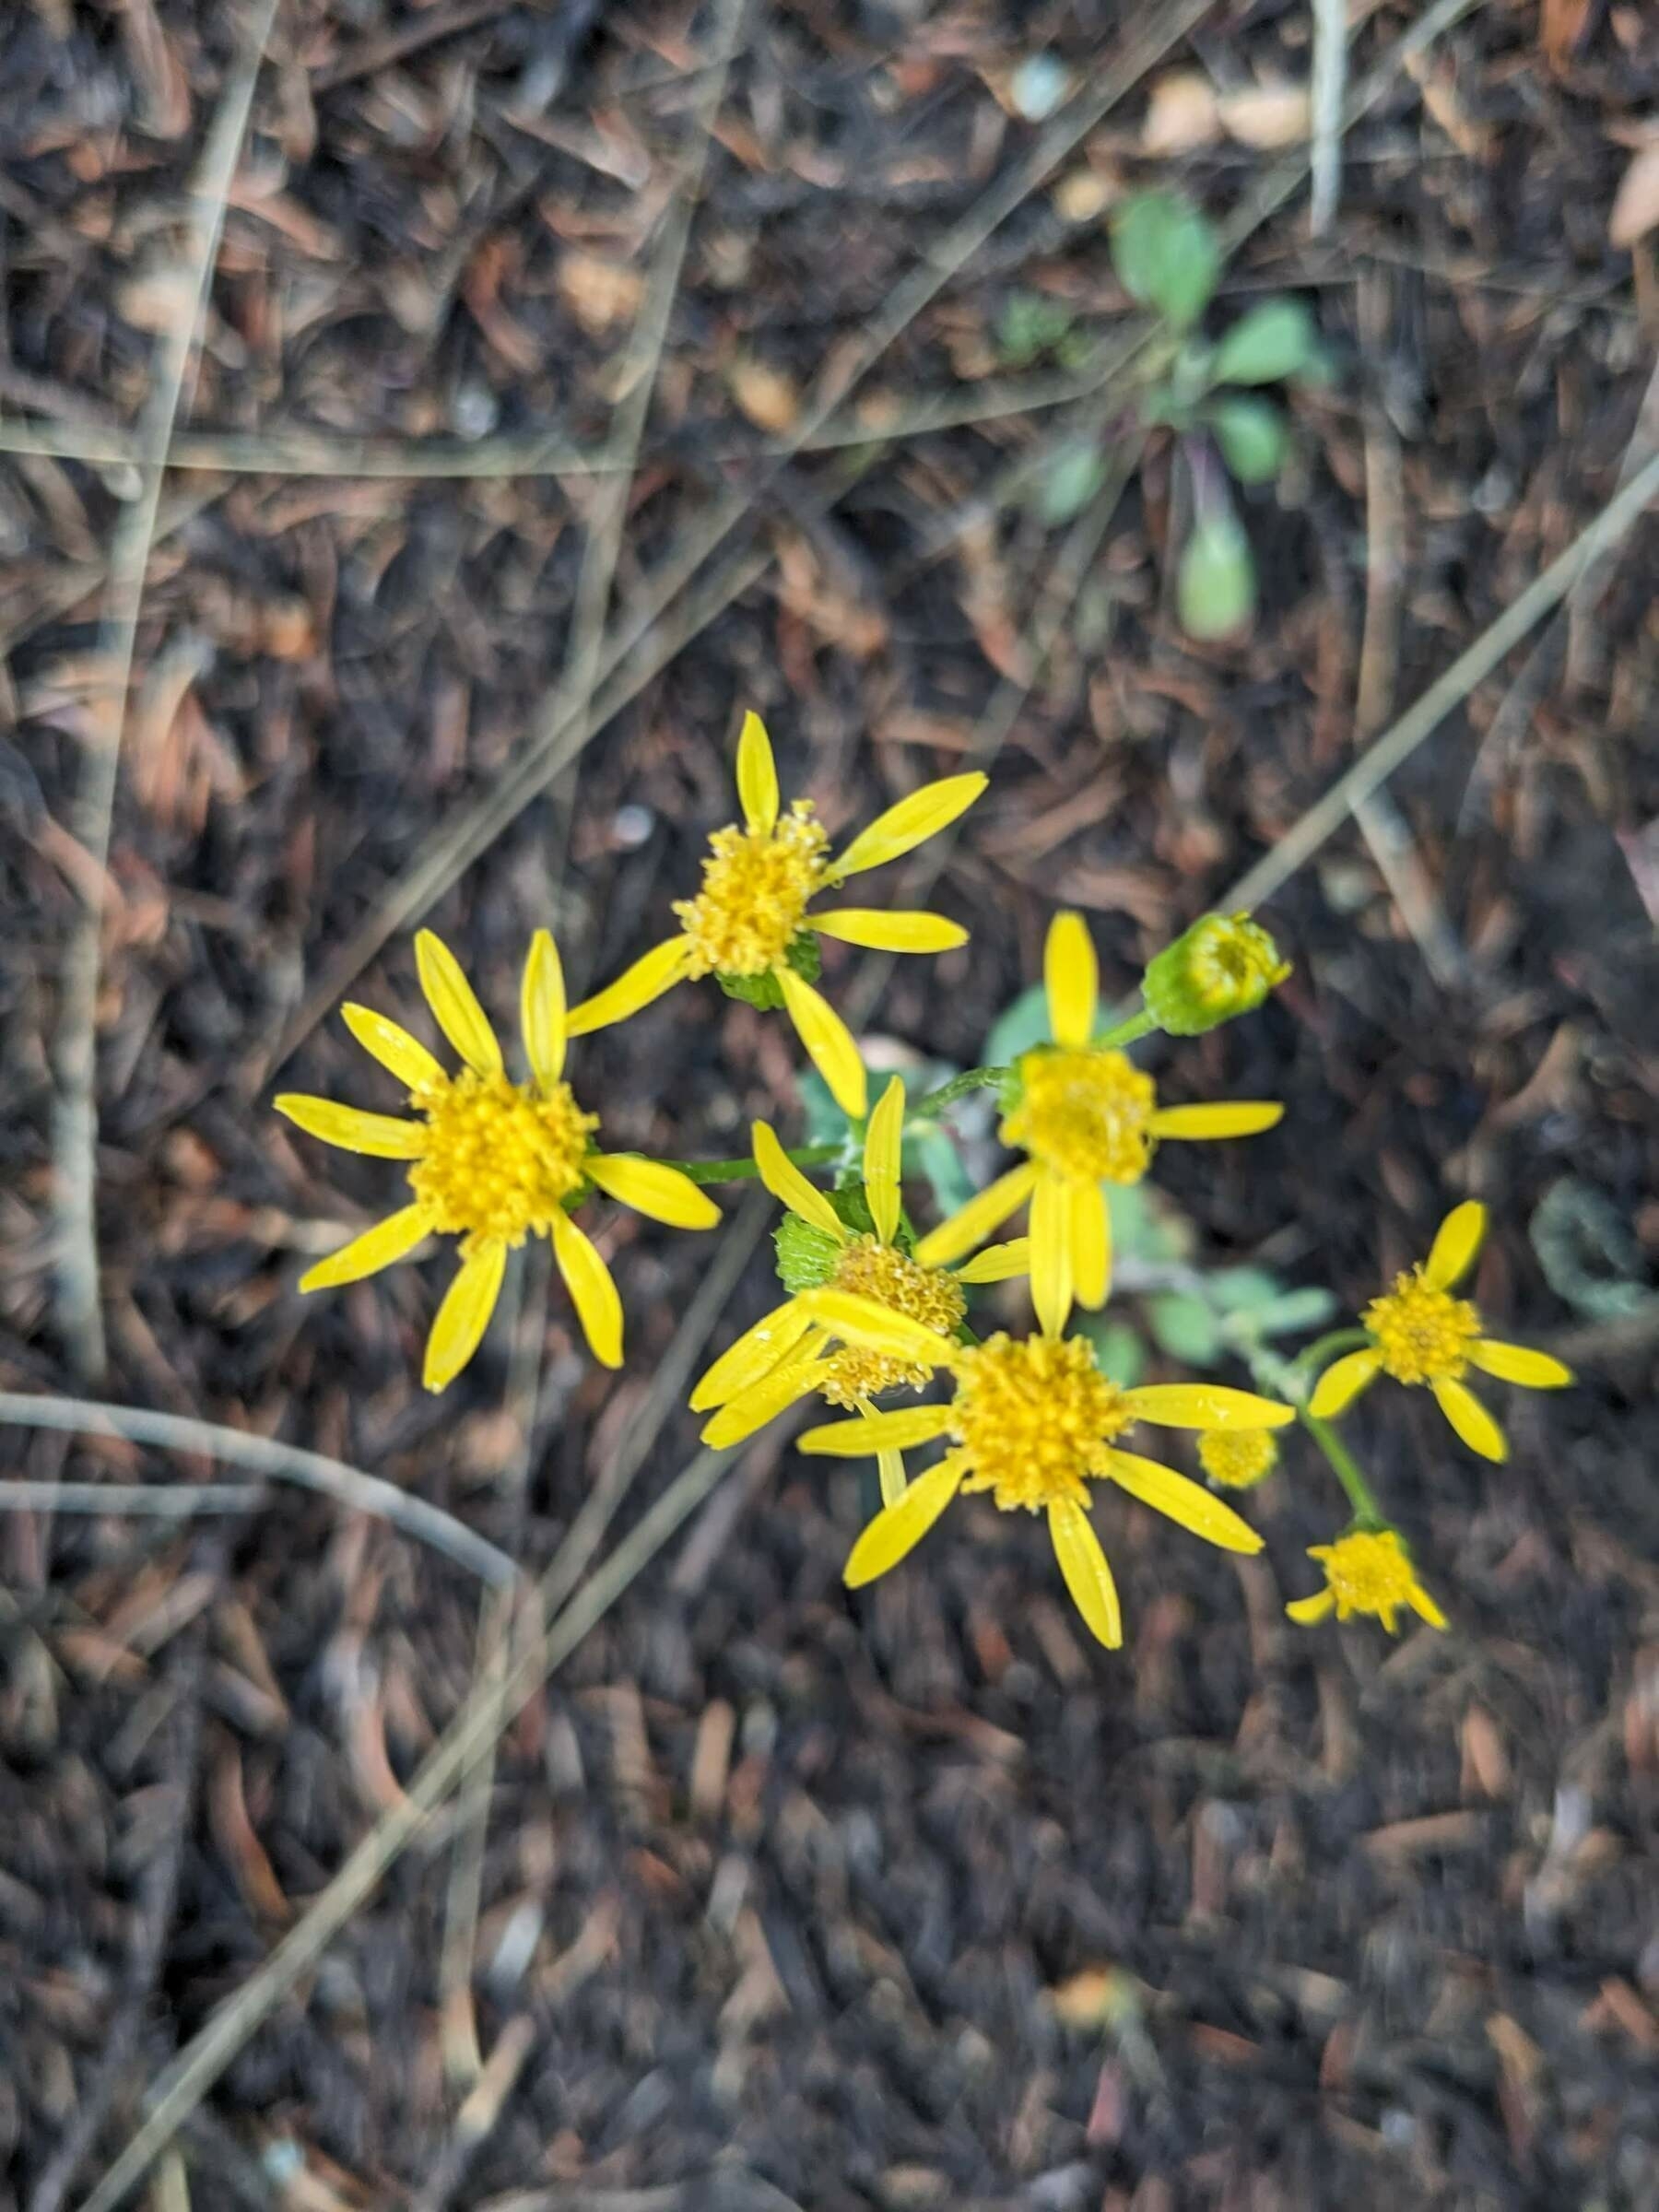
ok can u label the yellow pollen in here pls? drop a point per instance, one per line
(1035, 1418)
(757, 884)
(1236, 1458)
(500, 1157)
(1235, 959)
(871, 1269)
(1367, 1573)
(1085, 1114)
(1423, 1333)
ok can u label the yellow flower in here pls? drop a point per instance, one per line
(749, 921)
(1419, 1333)
(1034, 1423)
(1224, 966)
(490, 1161)
(796, 1348)
(1086, 1116)
(1237, 1458)
(1368, 1570)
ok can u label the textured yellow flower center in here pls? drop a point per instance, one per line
(755, 887)
(1423, 1333)
(501, 1157)
(1036, 1419)
(1232, 960)
(1236, 1458)
(871, 1269)
(1085, 1114)
(1367, 1574)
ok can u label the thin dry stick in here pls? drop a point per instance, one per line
(159, 1502)
(180, 2087)
(1374, 767)
(75, 1132)
(1330, 75)
(288, 1463)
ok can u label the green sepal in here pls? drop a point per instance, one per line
(763, 992)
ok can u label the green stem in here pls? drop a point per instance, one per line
(1126, 1032)
(744, 1171)
(1324, 1348)
(1368, 1514)
(970, 1078)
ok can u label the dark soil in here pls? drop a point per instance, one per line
(791, 1897)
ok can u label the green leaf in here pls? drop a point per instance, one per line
(939, 1160)
(1117, 1348)
(826, 1123)
(1236, 1289)
(1297, 1311)
(1071, 478)
(1145, 1225)
(1017, 1028)
(1252, 435)
(1215, 587)
(1185, 1327)
(1031, 324)
(1166, 255)
(1589, 1257)
(1274, 340)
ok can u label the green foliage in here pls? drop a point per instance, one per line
(1018, 1028)
(805, 956)
(806, 1255)
(1253, 436)
(1117, 1346)
(1215, 586)
(1590, 1258)
(1270, 341)
(1071, 478)
(1165, 256)
(1187, 1326)
(826, 1123)
(1030, 324)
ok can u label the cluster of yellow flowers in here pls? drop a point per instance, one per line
(873, 1308)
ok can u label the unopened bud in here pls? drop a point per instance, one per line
(1222, 966)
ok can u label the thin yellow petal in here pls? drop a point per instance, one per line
(660, 1193)
(1455, 1243)
(790, 1188)
(971, 1223)
(753, 1355)
(757, 775)
(1307, 1610)
(1421, 1604)
(1470, 1418)
(1233, 1117)
(464, 1317)
(1087, 1576)
(392, 1239)
(900, 1526)
(393, 1047)
(1519, 1363)
(1342, 1381)
(1072, 976)
(881, 931)
(593, 1293)
(998, 1263)
(876, 1328)
(884, 1143)
(890, 1467)
(380, 1135)
(454, 1004)
(828, 1043)
(898, 1431)
(1188, 1503)
(910, 824)
(1052, 1254)
(1205, 1406)
(764, 1400)
(1090, 1244)
(653, 974)
(542, 1010)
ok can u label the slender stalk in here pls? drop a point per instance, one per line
(1139, 1024)
(1324, 1348)
(744, 1170)
(971, 1079)
(1368, 1514)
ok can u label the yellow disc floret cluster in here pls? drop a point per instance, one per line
(1237, 1458)
(869, 1268)
(1370, 1572)
(756, 885)
(1423, 1333)
(1086, 1115)
(501, 1157)
(1036, 1419)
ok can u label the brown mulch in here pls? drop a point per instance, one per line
(791, 1898)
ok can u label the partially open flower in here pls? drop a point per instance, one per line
(1368, 1570)
(749, 923)
(491, 1161)
(1225, 965)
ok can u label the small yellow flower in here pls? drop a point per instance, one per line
(491, 1161)
(1084, 1116)
(1034, 1423)
(1419, 1333)
(1368, 1570)
(794, 1349)
(1224, 966)
(1237, 1458)
(751, 914)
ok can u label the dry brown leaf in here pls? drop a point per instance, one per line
(767, 396)
(1636, 203)
(1268, 116)
(1080, 195)
(1182, 115)
(1560, 25)
(600, 293)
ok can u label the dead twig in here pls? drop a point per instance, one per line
(1330, 76)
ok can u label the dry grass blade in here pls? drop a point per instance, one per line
(159, 1502)
(288, 1463)
(75, 1134)
(1330, 76)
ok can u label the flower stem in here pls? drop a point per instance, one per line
(970, 1078)
(1324, 1348)
(744, 1171)
(1368, 1514)
(1138, 1025)
(1292, 1380)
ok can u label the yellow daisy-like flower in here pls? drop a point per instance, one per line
(491, 1161)
(1368, 1570)
(758, 883)
(1086, 1116)
(796, 1348)
(1419, 1333)
(1034, 1423)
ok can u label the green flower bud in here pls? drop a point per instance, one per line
(1222, 966)
(807, 1256)
(805, 956)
